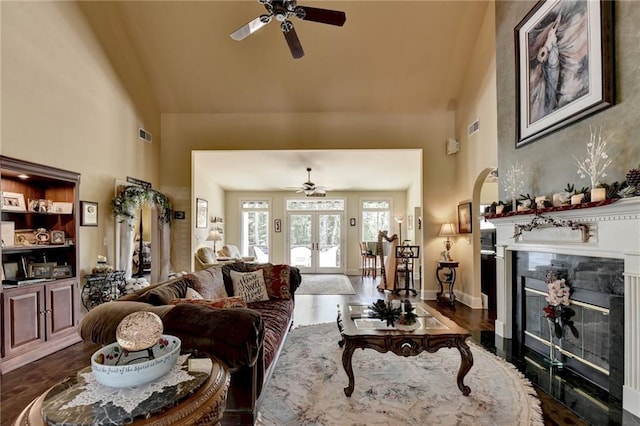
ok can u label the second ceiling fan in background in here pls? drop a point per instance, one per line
(282, 10)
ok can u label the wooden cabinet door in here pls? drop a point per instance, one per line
(23, 317)
(61, 308)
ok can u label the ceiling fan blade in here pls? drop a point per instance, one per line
(324, 16)
(294, 43)
(250, 27)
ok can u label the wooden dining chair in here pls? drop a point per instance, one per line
(369, 263)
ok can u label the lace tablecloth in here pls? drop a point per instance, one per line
(81, 400)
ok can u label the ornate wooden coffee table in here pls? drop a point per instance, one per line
(435, 332)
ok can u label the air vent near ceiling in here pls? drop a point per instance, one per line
(474, 127)
(144, 135)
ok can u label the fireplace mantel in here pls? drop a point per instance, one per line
(613, 232)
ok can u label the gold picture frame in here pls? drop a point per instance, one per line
(41, 270)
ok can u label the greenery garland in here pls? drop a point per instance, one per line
(131, 199)
(541, 221)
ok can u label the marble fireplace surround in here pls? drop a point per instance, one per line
(613, 232)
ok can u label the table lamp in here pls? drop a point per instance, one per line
(447, 230)
(399, 220)
(214, 235)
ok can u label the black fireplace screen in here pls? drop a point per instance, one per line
(597, 297)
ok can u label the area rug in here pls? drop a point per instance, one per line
(325, 284)
(306, 387)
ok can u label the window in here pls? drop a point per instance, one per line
(376, 216)
(315, 205)
(255, 229)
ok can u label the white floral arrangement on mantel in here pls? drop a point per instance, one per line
(597, 160)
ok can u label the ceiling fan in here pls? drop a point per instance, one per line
(310, 189)
(282, 10)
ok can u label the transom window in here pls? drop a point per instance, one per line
(315, 205)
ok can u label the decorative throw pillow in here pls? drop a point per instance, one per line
(163, 294)
(249, 285)
(277, 281)
(192, 294)
(225, 302)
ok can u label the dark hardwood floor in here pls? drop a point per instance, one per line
(21, 386)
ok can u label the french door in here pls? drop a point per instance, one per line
(315, 242)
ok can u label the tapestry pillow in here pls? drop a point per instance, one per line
(277, 281)
(164, 294)
(192, 294)
(249, 285)
(225, 302)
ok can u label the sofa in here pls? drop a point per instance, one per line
(246, 336)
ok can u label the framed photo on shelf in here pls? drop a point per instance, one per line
(88, 213)
(61, 207)
(202, 212)
(13, 201)
(11, 270)
(464, 218)
(61, 271)
(564, 65)
(57, 237)
(40, 206)
(41, 270)
(8, 232)
(25, 237)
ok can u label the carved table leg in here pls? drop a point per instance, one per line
(346, 363)
(466, 362)
(340, 327)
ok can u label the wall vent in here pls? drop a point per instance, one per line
(144, 135)
(474, 127)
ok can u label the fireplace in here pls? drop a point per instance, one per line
(599, 245)
(597, 298)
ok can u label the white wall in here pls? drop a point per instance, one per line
(64, 105)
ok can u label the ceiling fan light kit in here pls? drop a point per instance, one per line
(310, 189)
(282, 10)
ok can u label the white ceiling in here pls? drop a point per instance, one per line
(389, 57)
(338, 170)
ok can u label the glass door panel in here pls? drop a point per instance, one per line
(329, 242)
(315, 242)
(301, 241)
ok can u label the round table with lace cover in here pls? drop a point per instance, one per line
(194, 393)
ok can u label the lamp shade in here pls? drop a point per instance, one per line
(214, 235)
(447, 230)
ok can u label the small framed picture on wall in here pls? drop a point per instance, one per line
(352, 221)
(277, 225)
(202, 212)
(464, 218)
(88, 213)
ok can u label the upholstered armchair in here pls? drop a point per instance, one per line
(205, 258)
(232, 252)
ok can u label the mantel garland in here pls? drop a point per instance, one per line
(131, 199)
(540, 220)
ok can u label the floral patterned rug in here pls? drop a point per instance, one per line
(306, 387)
